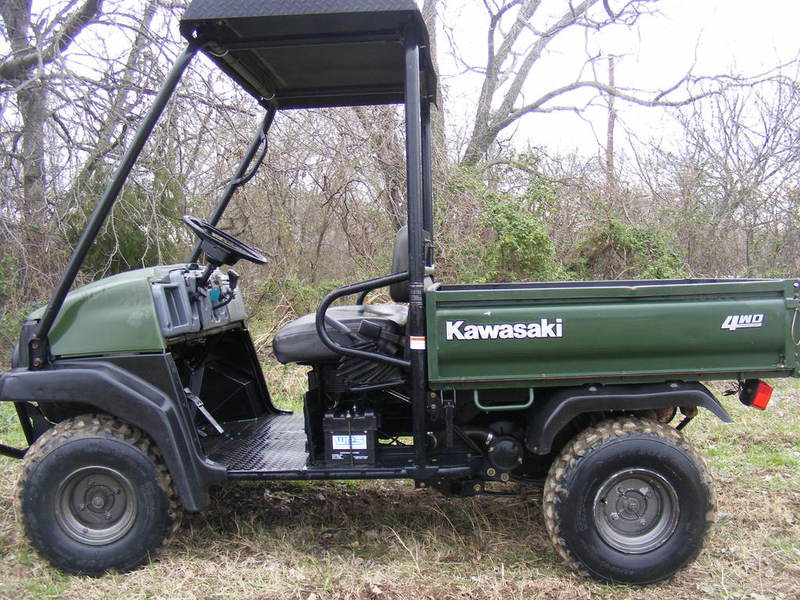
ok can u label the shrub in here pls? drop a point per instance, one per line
(617, 250)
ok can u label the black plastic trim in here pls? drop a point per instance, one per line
(374, 473)
(548, 417)
(118, 392)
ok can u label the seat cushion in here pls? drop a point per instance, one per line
(298, 341)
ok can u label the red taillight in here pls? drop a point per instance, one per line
(756, 393)
(762, 396)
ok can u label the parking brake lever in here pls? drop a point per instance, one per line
(233, 279)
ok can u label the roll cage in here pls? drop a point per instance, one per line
(294, 55)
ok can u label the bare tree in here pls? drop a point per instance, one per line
(34, 46)
(519, 34)
(121, 103)
(430, 13)
(730, 188)
(611, 122)
(384, 138)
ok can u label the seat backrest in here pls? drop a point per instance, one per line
(399, 291)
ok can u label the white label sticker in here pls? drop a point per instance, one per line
(349, 442)
(734, 322)
(417, 342)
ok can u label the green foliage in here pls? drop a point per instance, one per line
(11, 432)
(521, 248)
(617, 250)
(9, 271)
(507, 238)
(457, 213)
(10, 321)
(143, 229)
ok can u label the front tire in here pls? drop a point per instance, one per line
(628, 501)
(94, 496)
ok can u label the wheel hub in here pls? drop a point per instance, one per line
(100, 498)
(636, 510)
(633, 506)
(95, 505)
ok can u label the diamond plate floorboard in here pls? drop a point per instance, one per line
(274, 443)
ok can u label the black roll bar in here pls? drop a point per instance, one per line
(427, 183)
(38, 346)
(362, 297)
(239, 178)
(347, 290)
(416, 250)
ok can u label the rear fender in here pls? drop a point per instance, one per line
(548, 417)
(159, 412)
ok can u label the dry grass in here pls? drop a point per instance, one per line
(387, 540)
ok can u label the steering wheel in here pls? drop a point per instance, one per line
(222, 248)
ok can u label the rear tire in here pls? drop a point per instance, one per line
(628, 501)
(94, 496)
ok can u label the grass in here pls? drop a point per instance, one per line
(381, 541)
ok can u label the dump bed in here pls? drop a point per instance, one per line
(547, 334)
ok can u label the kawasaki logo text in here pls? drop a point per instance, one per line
(544, 328)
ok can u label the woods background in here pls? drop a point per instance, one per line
(77, 76)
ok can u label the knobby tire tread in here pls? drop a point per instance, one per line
(98, 426)
(592, 438)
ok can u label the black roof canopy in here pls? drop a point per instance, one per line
(312, 53)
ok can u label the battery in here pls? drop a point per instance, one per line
(350, 438)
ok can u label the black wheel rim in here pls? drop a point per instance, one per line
(95, 505)
(636, 511)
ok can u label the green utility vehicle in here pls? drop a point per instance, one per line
(140, 391)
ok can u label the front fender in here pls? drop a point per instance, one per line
(158, 411)
(547, 418)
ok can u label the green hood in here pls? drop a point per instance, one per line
(113, 315)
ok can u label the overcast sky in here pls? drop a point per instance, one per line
(717, 36)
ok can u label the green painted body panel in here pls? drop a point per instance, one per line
(611, 332)
(109, 316)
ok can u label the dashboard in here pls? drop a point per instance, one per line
(185, 308)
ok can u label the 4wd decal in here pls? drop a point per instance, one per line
(734, 322)
(544, 328)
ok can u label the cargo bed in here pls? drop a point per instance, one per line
(572, 333)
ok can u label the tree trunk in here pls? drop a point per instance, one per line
(430, 15)
(381, 126)
(32, 99)
(120, 106)
(23, 68)
(612, 119)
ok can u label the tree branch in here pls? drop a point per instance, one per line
(20, 63)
